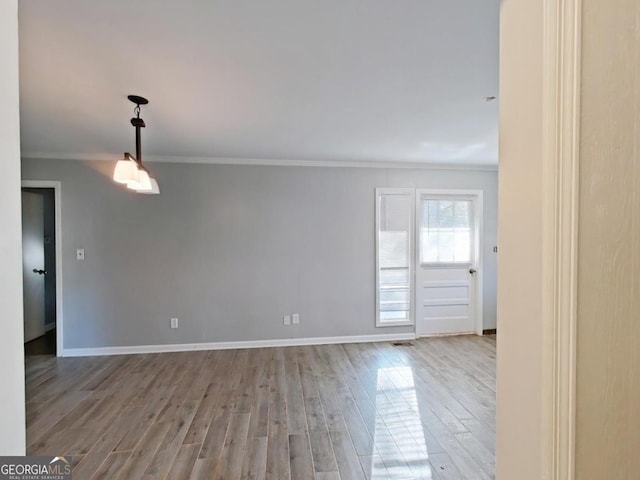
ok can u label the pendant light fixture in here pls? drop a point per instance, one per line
(130, 170)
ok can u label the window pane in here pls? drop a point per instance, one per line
(445, 232)
(394, 257)
(391, 317)
(462, 215)
(446, 213)
(393, 250)
(430, 240)
(394, 276)
(445, 245)
(433, 209)
(462, 245)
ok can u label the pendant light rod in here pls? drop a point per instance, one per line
(138, 143)
(138, 123)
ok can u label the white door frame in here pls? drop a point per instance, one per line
(541, 79)
(56, 186)
(478, 212)
(561, 54)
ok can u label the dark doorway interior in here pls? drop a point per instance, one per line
(46, 343)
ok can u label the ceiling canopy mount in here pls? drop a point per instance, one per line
(138, 100)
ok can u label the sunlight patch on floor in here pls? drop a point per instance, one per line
(399, 438)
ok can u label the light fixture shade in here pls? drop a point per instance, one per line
(126, 171)
(143, 184)
(155, 189)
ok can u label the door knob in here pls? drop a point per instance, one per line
(472, 271)
(39, 272)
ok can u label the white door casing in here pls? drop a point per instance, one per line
(448, 271)
(33, 259)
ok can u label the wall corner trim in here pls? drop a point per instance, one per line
(561, 142)
(193, 347)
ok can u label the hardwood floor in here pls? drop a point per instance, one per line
(356, 411)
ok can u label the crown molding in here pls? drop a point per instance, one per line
(263, 161)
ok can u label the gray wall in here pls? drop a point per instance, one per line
(230, 249)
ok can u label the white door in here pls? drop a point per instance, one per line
(33, 264)
(447, 267)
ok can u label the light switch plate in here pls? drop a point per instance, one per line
(295, 318)
(174, 323)
(80, 254)
(287, 320)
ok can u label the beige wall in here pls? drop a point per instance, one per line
(608, 382)
(520, 339)
(12, 417)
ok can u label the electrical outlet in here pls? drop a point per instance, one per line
(174, 323)
(295, 318)
(80, 253)
(287, 320)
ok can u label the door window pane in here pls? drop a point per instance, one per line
(445, 231)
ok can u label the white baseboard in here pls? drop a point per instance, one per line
(190, 347)
(440, 335)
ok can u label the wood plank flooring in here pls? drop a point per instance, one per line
(354, 411)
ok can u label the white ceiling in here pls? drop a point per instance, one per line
(324, 80)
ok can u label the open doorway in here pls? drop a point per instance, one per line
(40, 237)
